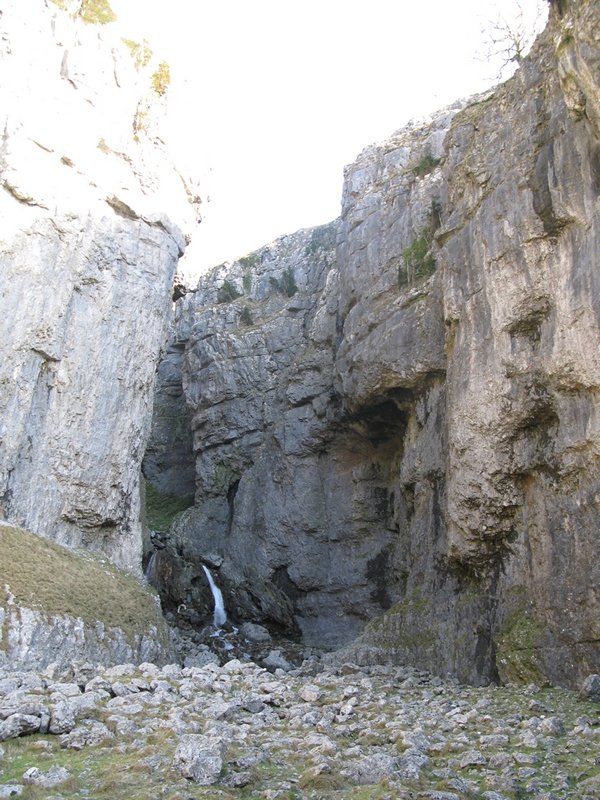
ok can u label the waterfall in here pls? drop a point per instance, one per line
(150, 573)
(219, 617)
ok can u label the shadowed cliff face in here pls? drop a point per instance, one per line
(87, 259)
(407, 446)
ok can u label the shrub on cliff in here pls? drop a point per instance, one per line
(286, 284)
(417, 259)
(227, 292)
(140, 52)
(426, 165)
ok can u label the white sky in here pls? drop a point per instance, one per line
(271, 98)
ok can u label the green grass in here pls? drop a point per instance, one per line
(44, 576)
(322, 781)
(417, 260)
(426, 165)
(161, 509)
(109, 773)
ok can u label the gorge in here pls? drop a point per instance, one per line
(383, 431)
(390, 422)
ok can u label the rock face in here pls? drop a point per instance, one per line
(87, 264)
(395, 417)
(258, 374)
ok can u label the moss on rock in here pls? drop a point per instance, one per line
(161, 509)
(517, 648)
(402, 626)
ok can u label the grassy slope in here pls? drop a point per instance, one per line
(43, 575)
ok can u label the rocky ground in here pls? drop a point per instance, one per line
(238, 730)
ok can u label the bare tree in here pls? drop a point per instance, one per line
(508, 37)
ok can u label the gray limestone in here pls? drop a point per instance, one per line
(590, 689)
(87, 260)
(199, 758)
(406, 447)
(408, 735)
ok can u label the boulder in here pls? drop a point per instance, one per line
(199, 758)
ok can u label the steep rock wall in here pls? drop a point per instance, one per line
(87, 263)
(415, 431)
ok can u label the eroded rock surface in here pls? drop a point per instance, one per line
(87, 263)
(414, 430)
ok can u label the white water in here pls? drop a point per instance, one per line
(219, 616)
(151, 569)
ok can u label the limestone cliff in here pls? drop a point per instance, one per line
(87, 263)
(395, 417)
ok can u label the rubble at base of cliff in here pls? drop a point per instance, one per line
(239, 730)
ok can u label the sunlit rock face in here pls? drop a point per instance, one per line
(87, 262)
(406, 445)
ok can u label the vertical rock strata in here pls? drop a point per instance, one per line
(405, 442)
(87, 259)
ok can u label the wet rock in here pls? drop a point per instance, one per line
(276, 661)
(439, 396)
(200, 658)
(254, 632)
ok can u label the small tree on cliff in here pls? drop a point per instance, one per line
(509, 36)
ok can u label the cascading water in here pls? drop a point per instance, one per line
(150, 573)
(219, 616)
